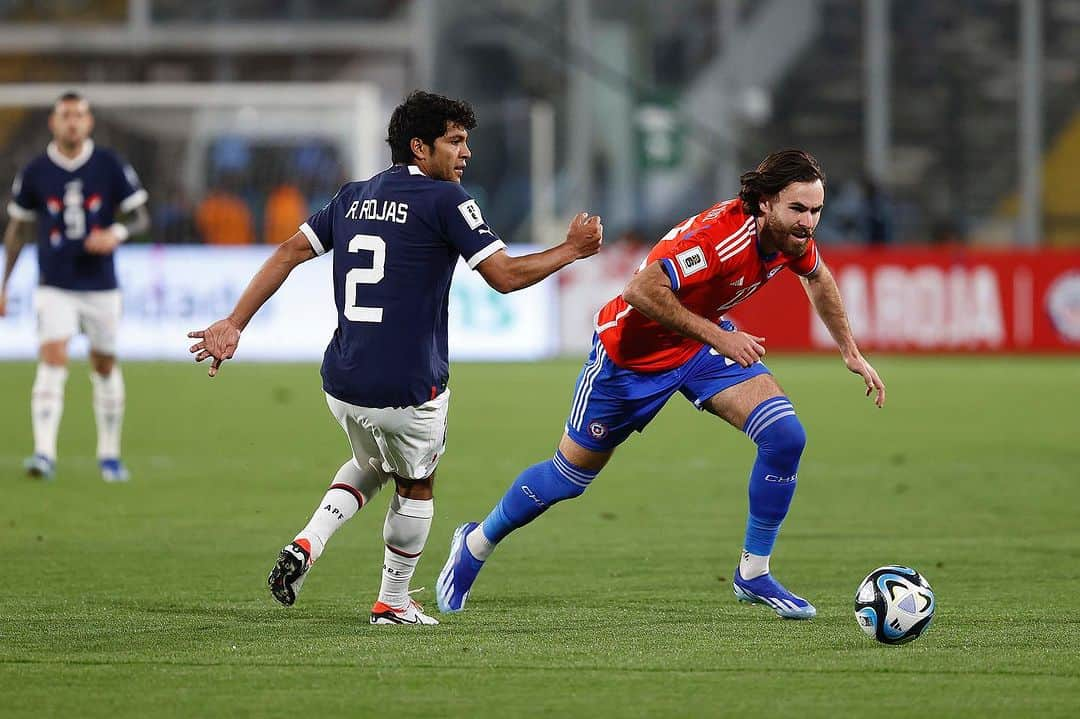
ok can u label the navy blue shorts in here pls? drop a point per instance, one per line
(611, 402)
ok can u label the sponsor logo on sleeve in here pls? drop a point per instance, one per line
(691, 261)
(471, 212)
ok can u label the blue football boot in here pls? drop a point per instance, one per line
(459, 572)
(113, 470)
(768, 591)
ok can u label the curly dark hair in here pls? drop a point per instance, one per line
(776, 172)
(426, 116)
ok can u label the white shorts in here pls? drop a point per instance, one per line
(407, 441)
(61, 314)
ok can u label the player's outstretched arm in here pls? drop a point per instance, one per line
(825, 297)
(15, 236)
(649, 292)
(219, 340)
(508, 274)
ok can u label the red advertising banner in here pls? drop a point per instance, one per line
(931, 300)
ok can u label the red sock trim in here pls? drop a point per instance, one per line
(400, 553)
(353, 491)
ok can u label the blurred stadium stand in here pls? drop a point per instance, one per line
(242, 116)
(649, 74)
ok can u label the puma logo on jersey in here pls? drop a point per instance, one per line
(691, 261)
(485, 231)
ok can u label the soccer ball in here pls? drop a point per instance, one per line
(894, 604)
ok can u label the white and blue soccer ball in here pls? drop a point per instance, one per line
(894, 604)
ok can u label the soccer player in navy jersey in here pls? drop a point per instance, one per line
(85, 201)
(665, 334)
(396, 239)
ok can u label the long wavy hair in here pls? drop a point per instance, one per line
(776, 172)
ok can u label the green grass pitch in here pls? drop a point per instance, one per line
(148, 599)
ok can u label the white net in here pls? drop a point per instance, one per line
(224, 164)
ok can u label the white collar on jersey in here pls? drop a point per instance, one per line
(70, 163)
(414, 170)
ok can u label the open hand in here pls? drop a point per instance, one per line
(217, 341)
(858, 364)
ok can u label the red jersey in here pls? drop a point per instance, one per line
(713, 262)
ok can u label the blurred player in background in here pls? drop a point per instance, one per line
(666, 334)
(79, 196)
(398, 237)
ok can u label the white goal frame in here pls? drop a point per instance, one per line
(352, 111)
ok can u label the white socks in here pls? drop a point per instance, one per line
(405, 532)
(108, 411)
(351, 489)
(46, 407)
(752, 566)
(478, 544)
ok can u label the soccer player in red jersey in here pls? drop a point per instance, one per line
(667, 333)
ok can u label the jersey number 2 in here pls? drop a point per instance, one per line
(365, 276)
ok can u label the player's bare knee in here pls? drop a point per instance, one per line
(415, 488)
(581, 457)
(54, 353)
(102, 364)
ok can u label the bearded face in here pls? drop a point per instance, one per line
(792, 215)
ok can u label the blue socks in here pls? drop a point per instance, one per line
(535, 489)
(780, 438)
(772, 425)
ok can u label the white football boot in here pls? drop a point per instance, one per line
(412, 613)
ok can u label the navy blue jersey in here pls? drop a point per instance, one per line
(69, 198)
(398, 237)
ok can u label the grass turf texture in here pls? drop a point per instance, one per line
(149, 598)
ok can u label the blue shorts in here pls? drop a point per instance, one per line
(611, 402)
